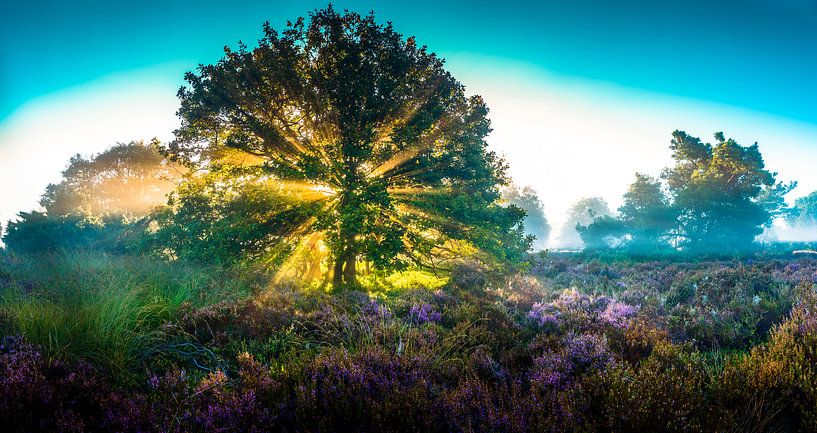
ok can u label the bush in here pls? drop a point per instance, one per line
(35, 232)
(665, 392)
(775, 386)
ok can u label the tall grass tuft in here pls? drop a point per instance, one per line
(109, 310)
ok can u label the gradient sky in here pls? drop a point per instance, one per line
(583, 92)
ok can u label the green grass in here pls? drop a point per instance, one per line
(109, 310)
(397, 282)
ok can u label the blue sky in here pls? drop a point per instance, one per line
(582, 92)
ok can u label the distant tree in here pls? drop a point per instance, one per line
(377, 141)
(582, 214)
(603, 233)
(723, 193)
(96, 204)
(644, 225)
(36, 232)
(536, 222)
(647, 214)
(804, 211)
(127, 179)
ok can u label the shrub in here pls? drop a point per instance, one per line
(665, 392)
(35, 233)
(776, 384)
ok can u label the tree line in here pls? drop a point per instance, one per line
(337, 146)
(716, 198)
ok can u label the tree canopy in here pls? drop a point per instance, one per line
(582, 214)
(723, 193)
(804, 211)
(535, 223)
(98, 202)
(718, 198)
(353, 135)
(126, 179)
(648, 214)
(645, 222)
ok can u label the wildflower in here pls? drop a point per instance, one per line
(579, 354)
(154, 381)
(543, 315)
(424, 313)
(601, 303)
(618, 314)
(374, 309)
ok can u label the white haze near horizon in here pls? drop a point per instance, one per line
(566, 137)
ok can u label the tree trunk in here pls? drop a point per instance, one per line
(350, 271)
(337, 272)
(345, 270)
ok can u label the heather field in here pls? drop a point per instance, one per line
(120, 343)
(331, 227)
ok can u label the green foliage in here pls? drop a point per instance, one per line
(126, 179)
(535, 222)
(385, 151)
(723, 193)
(644, 226)
(804, 211)
(213, 219)
(396, 282)
(36, 232)
(98, 202)
(648, 215)
(773, 386)
(720, 198)
(582, 214)
(603, 233)
(726, 308)
(666, 392)
(111, 310)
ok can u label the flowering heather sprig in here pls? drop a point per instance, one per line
(572, 299)
(795, 273)
(619, 314)
(544, 316)
(41, 395)
(578, 354)
(573, 308)
(804, 313)
(376, 310)
(587, 351)
(807, 322)
(424, 313)
(601, 303)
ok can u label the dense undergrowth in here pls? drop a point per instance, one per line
(122, 343)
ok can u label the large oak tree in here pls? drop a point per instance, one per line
(378, 151)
